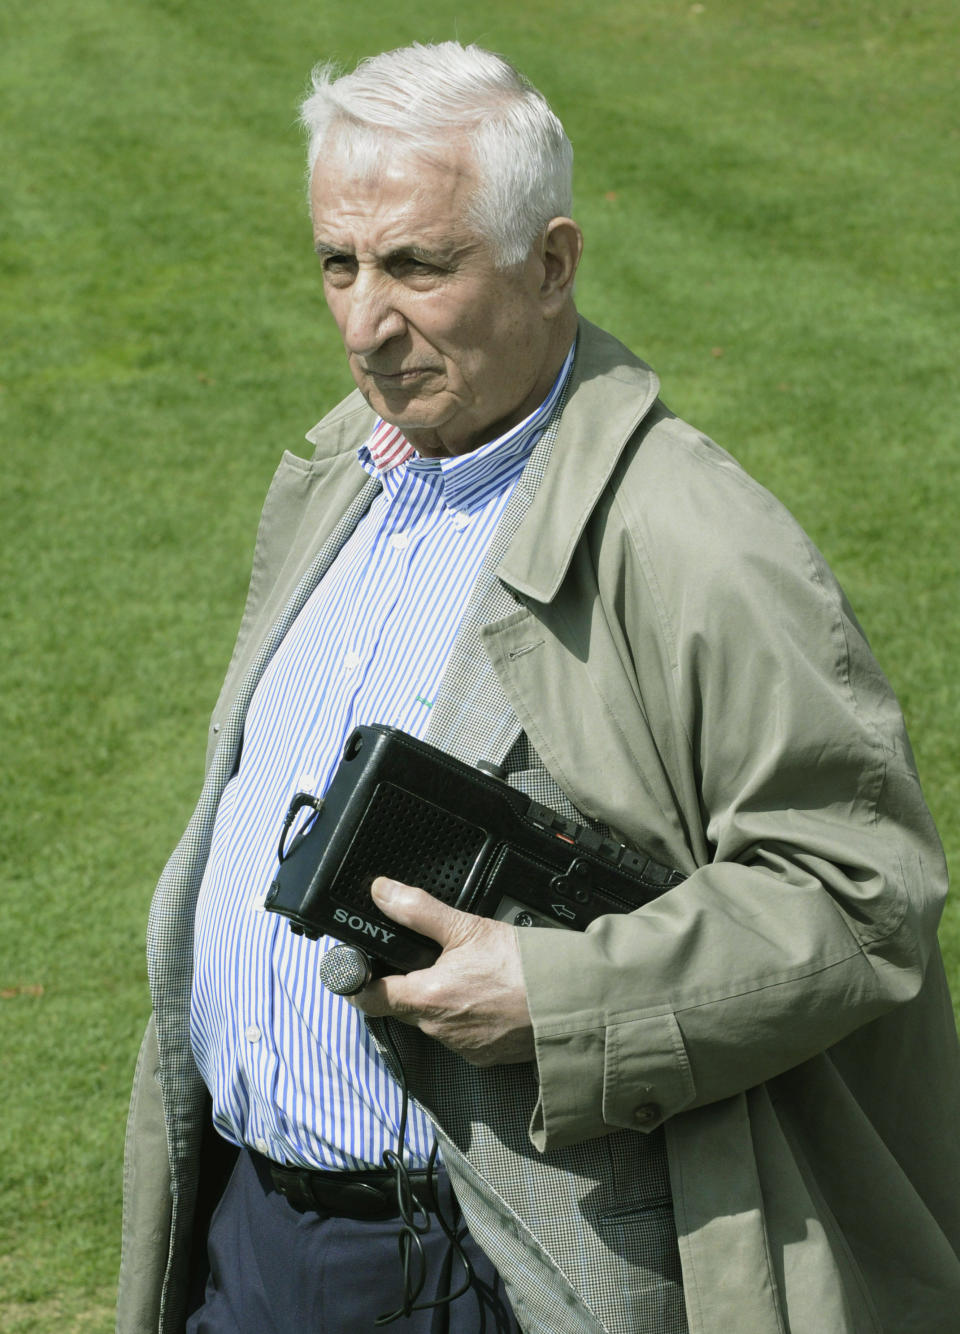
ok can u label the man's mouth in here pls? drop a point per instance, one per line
(406, 375)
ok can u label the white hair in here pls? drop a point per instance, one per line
(421, 96)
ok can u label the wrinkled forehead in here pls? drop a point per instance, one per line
(381, 186)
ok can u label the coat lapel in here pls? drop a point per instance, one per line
(472, 718)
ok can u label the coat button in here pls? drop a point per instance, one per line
(646, 1113)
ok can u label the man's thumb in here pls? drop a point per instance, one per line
(418, 910)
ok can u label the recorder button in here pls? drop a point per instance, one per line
(660, 875)
(589, 840)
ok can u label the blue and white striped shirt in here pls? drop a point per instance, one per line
(291, 1067)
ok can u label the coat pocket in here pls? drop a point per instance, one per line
(643, 1236)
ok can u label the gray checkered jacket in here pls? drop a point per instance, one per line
(706, 1140)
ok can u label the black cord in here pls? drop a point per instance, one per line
(412, 1257)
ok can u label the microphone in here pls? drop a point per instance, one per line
(345, 970)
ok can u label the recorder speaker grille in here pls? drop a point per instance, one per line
(407, 838)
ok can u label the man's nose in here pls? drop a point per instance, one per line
(372, 317)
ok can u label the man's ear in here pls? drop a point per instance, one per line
(560, 249)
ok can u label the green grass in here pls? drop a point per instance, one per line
(769, 192)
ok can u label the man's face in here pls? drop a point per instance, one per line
(440, 341)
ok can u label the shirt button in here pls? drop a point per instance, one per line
(400, 541)
(646, 1113)
(252, 1033)
(351, 662)
(262, 1146)
(460, 520)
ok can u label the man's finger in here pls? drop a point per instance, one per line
(391, 995)
(421, 912)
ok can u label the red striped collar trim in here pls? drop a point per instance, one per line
(388, 446)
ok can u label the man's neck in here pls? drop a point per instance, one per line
(435, 444)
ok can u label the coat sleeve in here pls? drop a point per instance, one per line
(818, 877)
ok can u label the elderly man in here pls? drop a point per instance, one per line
(732, 1111)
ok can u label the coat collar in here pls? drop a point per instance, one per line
(610, 393)
(344, 429)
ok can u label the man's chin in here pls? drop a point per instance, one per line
(406, 409)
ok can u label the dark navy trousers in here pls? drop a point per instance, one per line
(276, 1271)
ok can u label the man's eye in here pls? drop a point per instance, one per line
(338, 266)
(410, 266)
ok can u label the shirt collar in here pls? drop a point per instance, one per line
(388, 448)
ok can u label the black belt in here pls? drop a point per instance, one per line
(368, 1196)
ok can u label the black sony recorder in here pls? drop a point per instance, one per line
(402, 808)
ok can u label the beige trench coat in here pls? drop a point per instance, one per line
(690, 674)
